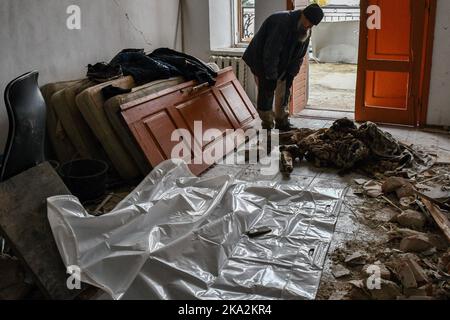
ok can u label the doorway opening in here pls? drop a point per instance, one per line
(392, 58)
(333, 59)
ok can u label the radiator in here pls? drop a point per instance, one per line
(240, 69)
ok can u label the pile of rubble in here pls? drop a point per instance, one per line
(390, 274)
(407, 204)
(346, 146)
(413, 260)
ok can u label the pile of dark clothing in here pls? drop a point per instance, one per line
(345, 146)
(161, 64)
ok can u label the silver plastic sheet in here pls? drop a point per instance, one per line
(177, 236)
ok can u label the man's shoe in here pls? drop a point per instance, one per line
(267, 119)
(284, 125)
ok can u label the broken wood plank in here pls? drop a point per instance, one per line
(436, 202)
(440, 219)
(392, 204)
(24, 224)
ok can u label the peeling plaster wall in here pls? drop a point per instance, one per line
(33, 35)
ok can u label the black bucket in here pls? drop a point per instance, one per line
(86, 179)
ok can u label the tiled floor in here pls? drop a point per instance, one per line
(347, 228)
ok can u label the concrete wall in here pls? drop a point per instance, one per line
(33, 35)
(220, 23)
(196, 28)
(439, 103)
(336, 42)
(264, 8)
(207, 25)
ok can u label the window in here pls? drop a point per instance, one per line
(245, 21)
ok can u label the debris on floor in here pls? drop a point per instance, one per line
(405, 200)
(339, 271)
(346, 146)
(410, 259)
(108, 202)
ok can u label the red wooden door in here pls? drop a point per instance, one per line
(299, 98)
(153, 119)
(389, 65)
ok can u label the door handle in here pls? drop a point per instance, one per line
(195, 89)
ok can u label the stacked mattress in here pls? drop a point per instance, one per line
(76, 128)
(81, 124)
(60, 142)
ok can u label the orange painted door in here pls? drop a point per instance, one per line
(299, 98)
(389, 63)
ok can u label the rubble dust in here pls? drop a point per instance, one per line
(414, 259)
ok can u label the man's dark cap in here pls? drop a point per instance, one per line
(314, 13)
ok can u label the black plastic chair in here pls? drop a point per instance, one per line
(25, 146)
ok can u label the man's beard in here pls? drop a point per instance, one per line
(303, 33)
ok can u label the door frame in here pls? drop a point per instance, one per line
(427, 61)
(300, 86)
(421, 67)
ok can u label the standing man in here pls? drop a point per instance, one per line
(275, 56)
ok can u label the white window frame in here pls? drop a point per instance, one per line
(236, 23)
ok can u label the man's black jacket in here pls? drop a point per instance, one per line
(275, 50)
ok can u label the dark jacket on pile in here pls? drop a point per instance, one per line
(276, 53)
(162, 64)
(135, 63)
(188, 66)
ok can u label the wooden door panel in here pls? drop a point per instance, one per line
(392, 41)
(236, 104)
(153, 119)
(159, 126)
(210, 109)
(387, 89)
(390, 62)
